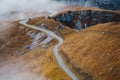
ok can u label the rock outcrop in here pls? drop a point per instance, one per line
(86, 18)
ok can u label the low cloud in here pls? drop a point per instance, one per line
(16, 72)
(22, 6)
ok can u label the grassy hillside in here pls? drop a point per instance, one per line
(40, 61)
(94, 53)
(51, 24)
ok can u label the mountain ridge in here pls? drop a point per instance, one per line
(91, 53)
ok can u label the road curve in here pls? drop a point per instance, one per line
(55, 49)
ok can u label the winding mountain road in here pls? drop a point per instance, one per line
(55, 49)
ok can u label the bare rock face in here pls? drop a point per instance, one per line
(85, 18)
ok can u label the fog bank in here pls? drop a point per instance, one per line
(10, 7)
(17, 72)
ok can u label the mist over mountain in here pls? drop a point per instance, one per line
(14, 9)
(59, 39)
(105, 4)
(11, 7)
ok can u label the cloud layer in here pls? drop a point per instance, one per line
(22, 6)
(17, 72)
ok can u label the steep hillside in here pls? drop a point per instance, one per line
(91, 47)
(93, 53)
(77, 18)
(80, 18)
(51, 24)
(18, 47)
(12, 39)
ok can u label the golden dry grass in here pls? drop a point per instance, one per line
(74, 7)
(43, 62)
(51, 24)
(39, 60)
(94, 52)
(13, 40)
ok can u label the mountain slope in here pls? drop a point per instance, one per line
(39, 60)
(83, 17)
(94, 53)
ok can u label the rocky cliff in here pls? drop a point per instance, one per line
(86, 18)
